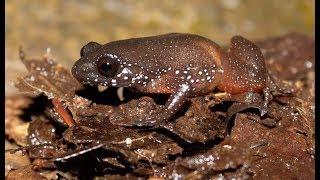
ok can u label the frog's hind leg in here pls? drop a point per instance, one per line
(243, 67)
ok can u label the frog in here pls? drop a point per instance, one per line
(181, 65)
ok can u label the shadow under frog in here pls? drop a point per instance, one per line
(182, 65)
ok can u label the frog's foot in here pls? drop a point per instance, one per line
(249, 100)
(278, 88)
(240, 106)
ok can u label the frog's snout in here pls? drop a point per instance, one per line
(83, 71)
(74, 70)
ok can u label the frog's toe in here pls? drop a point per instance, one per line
(240, 106)
(263, 110)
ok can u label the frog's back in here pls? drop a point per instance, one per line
(175, 50)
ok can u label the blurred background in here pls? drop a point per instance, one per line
(65, 26)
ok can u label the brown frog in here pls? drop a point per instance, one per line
(182, 65)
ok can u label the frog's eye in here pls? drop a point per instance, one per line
(108, 67)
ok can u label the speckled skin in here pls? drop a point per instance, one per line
(183, 65)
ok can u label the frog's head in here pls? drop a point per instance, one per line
(102, 65)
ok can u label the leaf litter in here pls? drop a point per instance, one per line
(66, 132)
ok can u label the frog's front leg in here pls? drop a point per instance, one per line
(175, 102)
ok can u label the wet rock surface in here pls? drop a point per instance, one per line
(102, 140)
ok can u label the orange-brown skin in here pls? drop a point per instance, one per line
(244, 67)
(183, 65)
